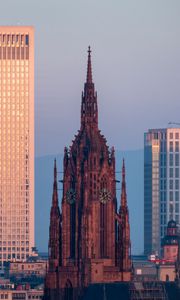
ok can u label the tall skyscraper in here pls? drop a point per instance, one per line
(16, 142)
(89, 239)
(161, 185)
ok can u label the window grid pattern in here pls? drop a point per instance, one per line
(14, 146)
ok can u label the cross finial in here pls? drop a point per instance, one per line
(89, 50)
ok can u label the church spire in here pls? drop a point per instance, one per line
(89, 109)
(89, 67)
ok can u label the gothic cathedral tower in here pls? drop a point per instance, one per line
(89, 240)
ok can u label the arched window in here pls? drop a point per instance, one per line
(68, 291)
(103, 222)
(72, 229)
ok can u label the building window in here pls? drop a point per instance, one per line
(177, 207)
(171, 184)
(161, 208)
(161, 172)
(177, 196)
(177, 172)
(171, 172)
(27, 39)
(171, 196)
(171, 207)
(22, 39)
(164, 159)
(176, 160)
(171, 159)
(171, 135)
(177, 184)
(177, 146)
(171, 146)
(156, 135)
(177, 135)
(177, 219)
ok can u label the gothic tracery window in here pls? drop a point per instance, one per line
(103, 223)
(72, 224)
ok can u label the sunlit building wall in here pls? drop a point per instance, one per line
(16, 142)
(161, 185)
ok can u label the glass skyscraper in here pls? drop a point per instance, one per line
(161, 185)
(16, 142)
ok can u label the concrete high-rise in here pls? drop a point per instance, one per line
(16, 142)
(161, 184)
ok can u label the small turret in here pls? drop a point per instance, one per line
(123, 189)
(54, 228)
(124, 244)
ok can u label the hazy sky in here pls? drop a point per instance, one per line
(136, 65)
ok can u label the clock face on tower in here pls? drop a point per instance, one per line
(71, 196)
(104, 196)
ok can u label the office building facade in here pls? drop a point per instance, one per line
(16, 142)
(161, 185)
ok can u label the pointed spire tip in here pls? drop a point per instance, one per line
(89, 50)
(89, 67)
(123, 169)
(55, 169)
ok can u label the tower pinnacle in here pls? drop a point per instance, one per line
(124, 244)
(55, 227)
(89, 109)
(55, 170)
(89, 67)
(55, 194)
(123, 188)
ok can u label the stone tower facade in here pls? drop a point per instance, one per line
(89, 240)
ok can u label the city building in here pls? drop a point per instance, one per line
(21, 294)
(166, 272)
(161, 185)
(26, 269)
(177, 266)
(16, 142)
(143, 269)
(170, 242)
(89, 238)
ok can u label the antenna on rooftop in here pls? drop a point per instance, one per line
(174, 123)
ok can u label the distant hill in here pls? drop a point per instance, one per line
(43, 195)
